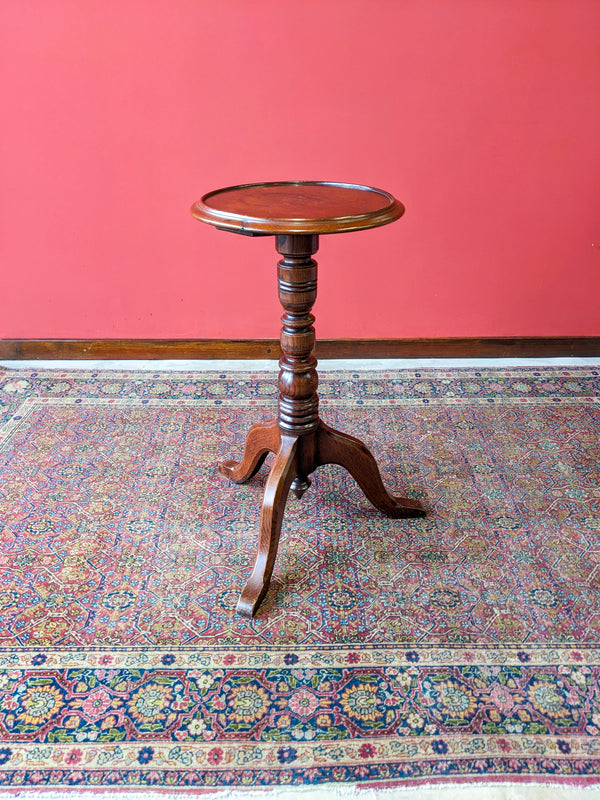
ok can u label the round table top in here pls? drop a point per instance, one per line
(288, 207)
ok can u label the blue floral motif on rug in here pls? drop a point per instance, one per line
(387, 651)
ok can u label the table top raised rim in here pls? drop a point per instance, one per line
(391, 210)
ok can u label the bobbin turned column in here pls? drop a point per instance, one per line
(298, 380)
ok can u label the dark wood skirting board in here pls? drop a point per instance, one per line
(493, 347)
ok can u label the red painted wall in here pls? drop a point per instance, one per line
(482, 116)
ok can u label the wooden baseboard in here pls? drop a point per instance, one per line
(492, 347)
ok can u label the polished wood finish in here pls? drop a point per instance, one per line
(297, 207)
(202, 349)
(334, 447)
(298, 437)
(262, 439)
(296, 213)
(126, 349)
(278, 485)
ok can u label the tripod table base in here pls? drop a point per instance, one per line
(296, 457)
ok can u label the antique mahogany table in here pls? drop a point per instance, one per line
(296, 213)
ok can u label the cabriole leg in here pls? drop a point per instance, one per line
(334, 447)
(278, 485)
(262, 439)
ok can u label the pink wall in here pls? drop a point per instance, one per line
(482, 116)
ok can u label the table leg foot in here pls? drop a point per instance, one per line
(262, 439)
(278, 485)
(334, 447)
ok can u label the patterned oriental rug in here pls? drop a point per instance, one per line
(462, 646)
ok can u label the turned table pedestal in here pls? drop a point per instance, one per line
(296, 213)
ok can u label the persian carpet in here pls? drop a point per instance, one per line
(388, 652)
